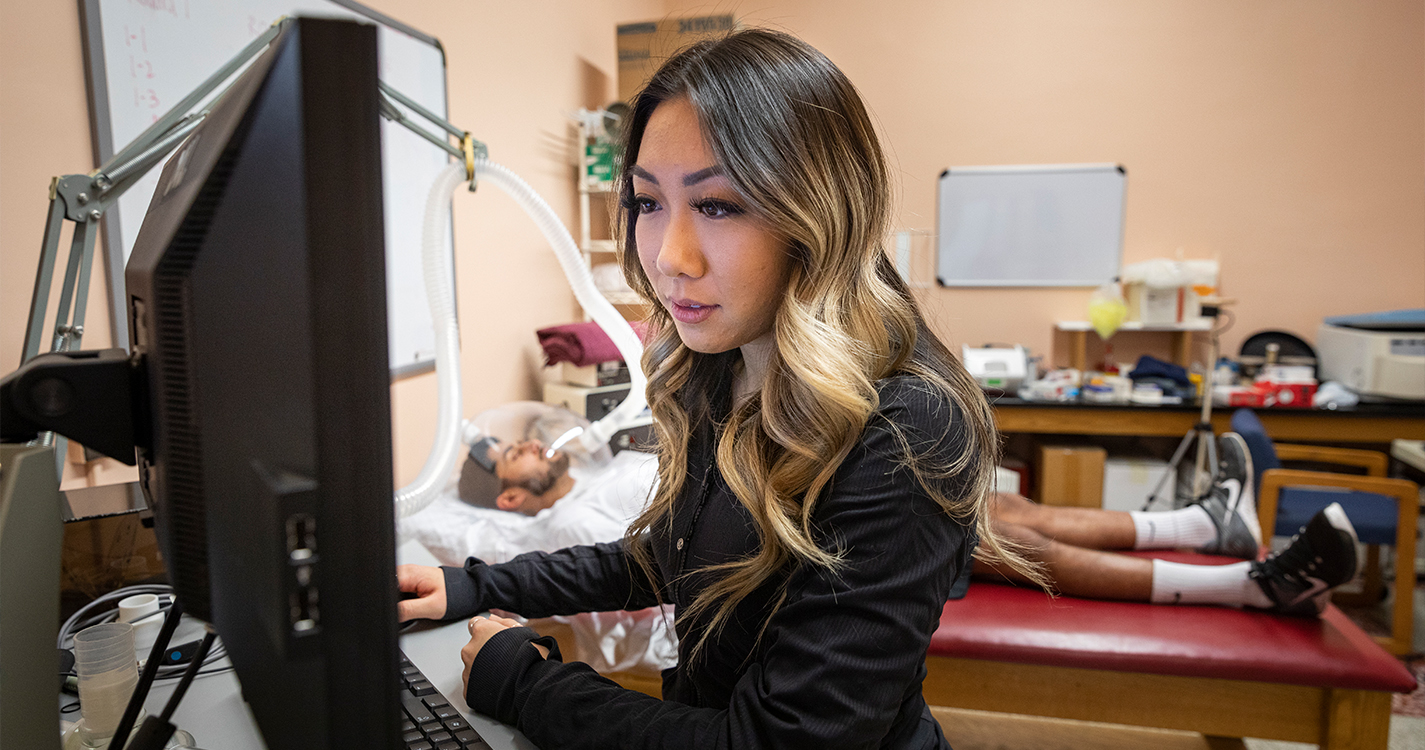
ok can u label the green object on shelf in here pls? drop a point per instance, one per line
(599, 162)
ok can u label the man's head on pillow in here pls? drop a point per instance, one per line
(523, 480)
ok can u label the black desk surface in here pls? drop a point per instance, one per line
(1365, 408)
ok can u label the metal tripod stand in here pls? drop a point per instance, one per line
(1205, 464)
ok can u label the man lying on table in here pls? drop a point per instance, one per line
(1072, 543)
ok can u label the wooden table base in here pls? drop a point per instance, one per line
(1334, 719)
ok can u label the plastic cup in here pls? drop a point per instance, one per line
(133, 607)
(108, 672)
(142, 611)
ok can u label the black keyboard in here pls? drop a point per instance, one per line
(429, 721)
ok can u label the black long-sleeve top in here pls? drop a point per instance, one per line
(840, 663)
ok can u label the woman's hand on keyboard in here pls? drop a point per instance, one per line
(482, 629)
(428, 585)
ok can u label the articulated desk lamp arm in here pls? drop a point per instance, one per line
(84, 199)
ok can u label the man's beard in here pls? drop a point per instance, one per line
(542, 483)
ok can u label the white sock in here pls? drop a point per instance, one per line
(1228, 585)
(1185, 527)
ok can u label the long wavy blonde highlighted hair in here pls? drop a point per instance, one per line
(793, 137)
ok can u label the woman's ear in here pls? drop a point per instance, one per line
(512, 499)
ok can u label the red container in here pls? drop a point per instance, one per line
(1251, 397)
(1289, 395)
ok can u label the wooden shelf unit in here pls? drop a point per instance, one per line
(1182, 333)
(590, 246)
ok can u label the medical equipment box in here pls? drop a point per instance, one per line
(639, 435)
(1387, 362)
(592, 404)
(603, 373)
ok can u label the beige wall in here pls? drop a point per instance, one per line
(44, 131)
(1286, 137)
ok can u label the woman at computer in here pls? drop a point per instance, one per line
(824, 461)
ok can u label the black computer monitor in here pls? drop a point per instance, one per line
(257, 305)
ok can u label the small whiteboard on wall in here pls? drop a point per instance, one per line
(144, 56)
(1047, 225)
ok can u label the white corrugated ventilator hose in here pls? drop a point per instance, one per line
(439, 275)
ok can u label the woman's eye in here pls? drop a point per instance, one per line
(716, 209)
(645, 205)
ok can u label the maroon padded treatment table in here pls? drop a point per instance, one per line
(1215, 670)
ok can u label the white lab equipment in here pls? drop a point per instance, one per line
(1388, 362)
(1003, 369)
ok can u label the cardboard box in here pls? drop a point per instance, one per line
(105, 553)
(1157, 307)
(1071, 475)
(643, 47)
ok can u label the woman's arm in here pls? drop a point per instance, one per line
(592, 578)
(837, 663)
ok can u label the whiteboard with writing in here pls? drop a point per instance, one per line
(1045, 225)
(144, 56)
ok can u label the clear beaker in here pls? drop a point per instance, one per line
(108, 671)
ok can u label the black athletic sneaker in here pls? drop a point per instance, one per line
(1231, 504)
(1320, 557)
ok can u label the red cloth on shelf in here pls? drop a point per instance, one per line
(580, 344)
